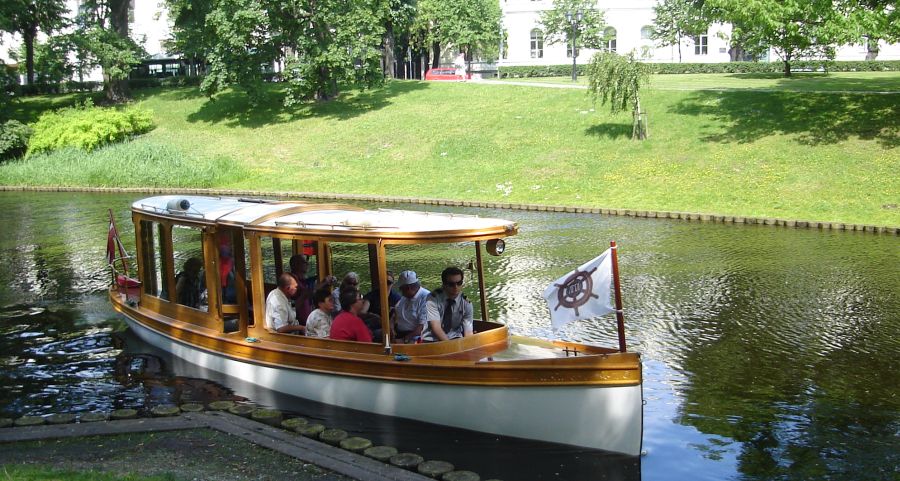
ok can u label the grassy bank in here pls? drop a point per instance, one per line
(774, 151)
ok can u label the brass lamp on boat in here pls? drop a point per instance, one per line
(490, 381)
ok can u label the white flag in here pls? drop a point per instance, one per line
(582, 293)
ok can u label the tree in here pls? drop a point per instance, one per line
(51, 62)
(874, 20)
(675, 19)
(398, 26)
(27, 18)
(793, 29)
(472, 26)
(617, 80)
(102, 38)
(558, 29)
(336, 43)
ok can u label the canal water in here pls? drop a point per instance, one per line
(768, 353)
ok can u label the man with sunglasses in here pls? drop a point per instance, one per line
(449, 312)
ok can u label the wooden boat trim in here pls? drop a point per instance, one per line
(617, 369)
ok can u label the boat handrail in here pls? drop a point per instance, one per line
(428, 213)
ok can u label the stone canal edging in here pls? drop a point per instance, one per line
(332, 449)
(649, 214)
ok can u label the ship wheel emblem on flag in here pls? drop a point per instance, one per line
(576, 290)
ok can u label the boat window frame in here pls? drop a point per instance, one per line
(210, 318)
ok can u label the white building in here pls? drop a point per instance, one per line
(629, 23)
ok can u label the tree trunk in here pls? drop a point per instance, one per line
(871, 48)
(678, 41)
(116, 89)
(787, 67)
(389, 59)
(436, 61)
(28, 36)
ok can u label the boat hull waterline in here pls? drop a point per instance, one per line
(600, 417)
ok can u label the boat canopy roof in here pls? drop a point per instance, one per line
(323, 219)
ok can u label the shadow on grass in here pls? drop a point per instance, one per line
(815, 118)
(234, 108)
(29, 109)
(610, 130)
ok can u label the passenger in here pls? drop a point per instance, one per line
(188, 285)
(226, 270)
(319, 322)
(374, 296)
(449, 312)
(280, 315)
(350, 280)
(411, 314)
(348, 326)
(305, 286)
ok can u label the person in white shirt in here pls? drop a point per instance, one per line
(280, 314)
(318, 324)
(410, 314)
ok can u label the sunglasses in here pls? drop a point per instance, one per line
(458, 283)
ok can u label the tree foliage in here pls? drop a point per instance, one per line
(558, 29)
(617, 80)
(793, 29)
(675, 19)
(336, 43)
(472, 26)
(27, 18)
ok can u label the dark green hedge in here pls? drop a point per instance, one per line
(727, 67)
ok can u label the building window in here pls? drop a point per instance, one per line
(701, 45)
(646, 32)
(537, 44)
(609, 37)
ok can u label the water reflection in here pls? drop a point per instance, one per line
(769, 353)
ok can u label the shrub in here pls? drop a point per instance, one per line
(13, 139)
(87, 127)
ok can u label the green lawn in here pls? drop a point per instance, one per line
(777, 151)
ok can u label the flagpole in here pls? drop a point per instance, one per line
(122, 255)
(620, 316)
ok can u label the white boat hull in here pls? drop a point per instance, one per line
(607, 418)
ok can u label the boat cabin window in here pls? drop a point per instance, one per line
(155, 251)
(190, 267)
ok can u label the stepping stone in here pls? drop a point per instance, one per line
(293, 423)
(381, 453)
(271, 417)
(92, 417)
(119, 414)
(333, 436)
(356, 444)
(461, 476)
(434, 469)
(310, 430)
(61, 418)
(29, 421)
(406, 460)
(242, 410)
(221, 405)
(5, 422)
(191, 408)
(165, 410)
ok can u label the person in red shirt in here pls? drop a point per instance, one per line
(348, 326)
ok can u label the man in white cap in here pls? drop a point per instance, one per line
(410, 314)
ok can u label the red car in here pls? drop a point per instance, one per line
(443, 73)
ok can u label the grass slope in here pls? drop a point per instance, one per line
(773, 151)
